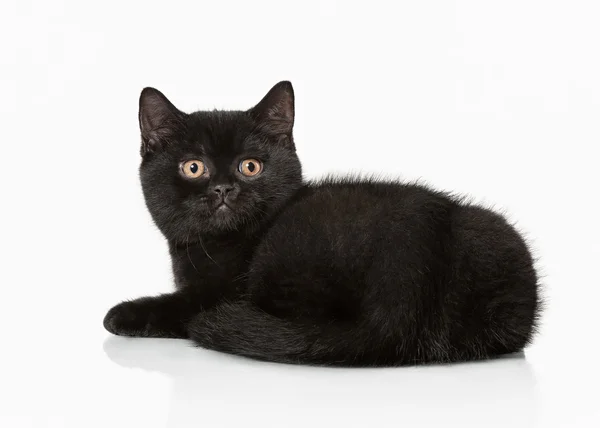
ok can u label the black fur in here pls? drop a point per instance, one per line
(336, 272)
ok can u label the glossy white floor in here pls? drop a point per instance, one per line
(96, 380)
(498, 100)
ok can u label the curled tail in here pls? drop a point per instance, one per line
(244, 329)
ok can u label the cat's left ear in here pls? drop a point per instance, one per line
(160, 120)
(275, 112)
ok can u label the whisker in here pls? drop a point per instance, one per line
(206, 252)
(187, 249)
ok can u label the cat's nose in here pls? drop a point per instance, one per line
(222, 189)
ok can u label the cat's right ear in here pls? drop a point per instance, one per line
(275, 112)
(159, 120)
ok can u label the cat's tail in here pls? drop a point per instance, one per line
(244, 329)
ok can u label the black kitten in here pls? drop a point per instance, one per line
(343, 272)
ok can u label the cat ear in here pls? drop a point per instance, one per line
(275, 112)
(159, 119)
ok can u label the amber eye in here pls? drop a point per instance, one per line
(250, 167)
(193, 168)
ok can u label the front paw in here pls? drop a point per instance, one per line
(127, 319)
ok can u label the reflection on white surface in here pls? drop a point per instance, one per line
(211, 386)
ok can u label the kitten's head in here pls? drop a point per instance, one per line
(213, 172)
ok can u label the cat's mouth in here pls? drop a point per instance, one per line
(223, 207)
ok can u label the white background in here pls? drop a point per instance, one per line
(498, 100)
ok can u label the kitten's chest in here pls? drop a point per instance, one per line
(209, 264)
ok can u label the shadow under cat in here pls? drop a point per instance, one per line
(500, 392)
